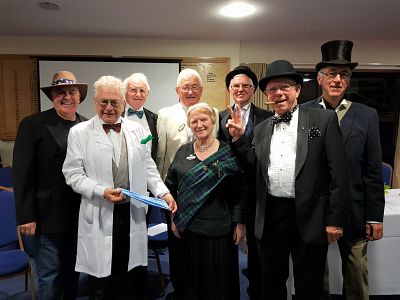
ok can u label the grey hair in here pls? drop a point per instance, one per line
(242, 75)
(186, 73)
(138, 77)
(109, 81)
(204, 108)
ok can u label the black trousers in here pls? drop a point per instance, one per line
(121, 284)
(280, 239)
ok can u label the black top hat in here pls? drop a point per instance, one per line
(336, 53)
(241, 70)
(280, 68)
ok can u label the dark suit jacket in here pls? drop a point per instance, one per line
(152, 121)
(257, 115)
(41, 193)
(360, 131)
(320, 174)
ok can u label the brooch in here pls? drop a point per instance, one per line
(191, 157)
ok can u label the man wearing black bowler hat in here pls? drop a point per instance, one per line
(359, 125)
(300, 184)
(241, 83)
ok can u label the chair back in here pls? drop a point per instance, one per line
(8, 223)
(6, 177)
(387, 171)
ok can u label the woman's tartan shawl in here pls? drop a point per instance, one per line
(196, 186)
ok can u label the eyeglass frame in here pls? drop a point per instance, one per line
(329, 75)
(283, 88)
(135, 91)
(194, 89)
(113, 102)
(245, 86)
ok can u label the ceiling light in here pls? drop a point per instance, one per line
(49, 6)
(237, 10)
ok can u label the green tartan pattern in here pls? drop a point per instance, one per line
(198, 183)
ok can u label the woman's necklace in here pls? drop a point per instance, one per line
(204, 148)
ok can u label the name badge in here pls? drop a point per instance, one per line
(191, 157)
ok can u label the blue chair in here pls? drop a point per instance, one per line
(387, 171)
(14, 261)
(158, 243)
(5, 175)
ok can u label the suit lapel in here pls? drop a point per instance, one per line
(302, 139)
(266, 148)
(151, 121)
(57, 130)
(225, 119)
(347, 122)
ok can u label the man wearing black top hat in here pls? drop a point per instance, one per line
(46, 207)
(300, 185)
(241, 83)
(359, 125)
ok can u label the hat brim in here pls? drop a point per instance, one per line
(298, 78)
(235, 72)
(81, 86)
(342, 63)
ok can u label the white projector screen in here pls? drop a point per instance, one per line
(160, 75)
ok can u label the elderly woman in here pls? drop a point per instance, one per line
(206, 180)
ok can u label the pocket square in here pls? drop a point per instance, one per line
(314, 132)
(146, 139)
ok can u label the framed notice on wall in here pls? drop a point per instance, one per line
(212, 72)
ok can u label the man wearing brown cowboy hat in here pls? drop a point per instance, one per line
(359, 125)
(46, 207)
(300, 185)
(241, 83)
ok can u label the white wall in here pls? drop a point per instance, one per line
(305, 53)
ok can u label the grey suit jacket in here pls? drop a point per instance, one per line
(320, 174)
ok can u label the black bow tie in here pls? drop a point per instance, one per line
(116, 127)
(286, 117)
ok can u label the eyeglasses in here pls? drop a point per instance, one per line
(194, 88)
(135, 91)
(244, 86)
(284, 89)
(333, 75)
(104, 102)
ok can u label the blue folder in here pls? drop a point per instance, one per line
(147, 200)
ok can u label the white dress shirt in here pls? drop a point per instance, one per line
(142, 121)
(282, 159)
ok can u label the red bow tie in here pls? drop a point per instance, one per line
(116, 127)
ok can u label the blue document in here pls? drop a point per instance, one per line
(147, 200)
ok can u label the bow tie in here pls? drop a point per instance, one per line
(286, 117)
(139, 113)
(116, 127)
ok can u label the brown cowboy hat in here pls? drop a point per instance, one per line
(336, 53)
(65, 78)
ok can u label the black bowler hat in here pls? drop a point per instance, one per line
(241, 70)
(280, 69)
(336, 53)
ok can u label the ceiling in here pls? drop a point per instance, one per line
(275, 20)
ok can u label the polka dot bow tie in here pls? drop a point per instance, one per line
(286, 117)
(116, 127)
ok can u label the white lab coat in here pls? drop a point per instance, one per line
(88, 170)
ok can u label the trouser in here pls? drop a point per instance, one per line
(55, 256)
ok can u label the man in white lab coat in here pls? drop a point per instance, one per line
(105, 154)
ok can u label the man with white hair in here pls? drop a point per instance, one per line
(171, 124)
(137, 90)
(104, 155)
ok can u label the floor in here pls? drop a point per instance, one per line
(13, 289)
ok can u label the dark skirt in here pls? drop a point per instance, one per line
(208, 268)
